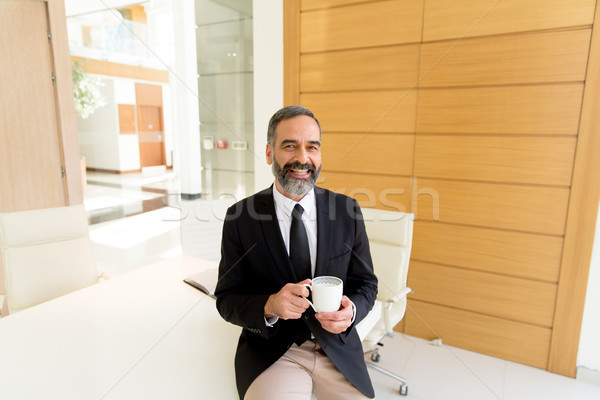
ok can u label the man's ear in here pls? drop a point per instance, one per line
(269, 154)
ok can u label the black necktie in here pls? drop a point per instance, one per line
(299, 250)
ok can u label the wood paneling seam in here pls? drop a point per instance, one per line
(501, 85)
(466, 310)
(378, 46)
(494, 228)
(491, 182)
(519, 33)
(341, 6)
(471, 269)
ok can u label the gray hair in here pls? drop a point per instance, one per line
(287, 113)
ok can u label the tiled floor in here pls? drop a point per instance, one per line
(139, 218)
(448, 373)
(135, 238)
(131, 220)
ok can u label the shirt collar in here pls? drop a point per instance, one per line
(286, 204)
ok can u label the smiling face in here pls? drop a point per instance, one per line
(295, 156)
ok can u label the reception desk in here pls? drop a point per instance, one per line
(144, 335)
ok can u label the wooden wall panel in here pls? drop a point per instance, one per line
(316, 4)
(535, 209)
(450, 19)
(373, 191)
(510, 253)
(377, 111)
(67, 121)
(148, 95)
(390, 67)
(291, 52)
(361, 25)
(148, 100)
(547, 109)
(536, 160)
(127, 118)
(360, 153)
(492, 92)
(516, 299)
(30, 153)
(511, 59)
(580, 230)
(498, 337)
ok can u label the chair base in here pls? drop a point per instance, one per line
(375, 358)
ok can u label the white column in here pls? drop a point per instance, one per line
(268, 79)
(160, 40)
(183, 79)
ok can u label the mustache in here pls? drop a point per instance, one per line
(298, 165)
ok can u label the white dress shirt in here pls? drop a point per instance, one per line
(283, 210)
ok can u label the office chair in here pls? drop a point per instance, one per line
(44, 254)
(390, 240)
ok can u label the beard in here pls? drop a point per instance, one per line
(292, 185)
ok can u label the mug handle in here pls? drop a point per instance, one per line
(309, 302)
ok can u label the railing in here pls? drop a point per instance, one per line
(119, 41)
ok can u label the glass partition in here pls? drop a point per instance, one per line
(225, 88)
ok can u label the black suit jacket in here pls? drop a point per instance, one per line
(255, 264)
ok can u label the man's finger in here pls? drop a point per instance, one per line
(346, 302)
(333, 316)
(341, 315)
(299, 290)
(300, 303)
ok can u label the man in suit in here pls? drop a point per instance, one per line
(286, 350)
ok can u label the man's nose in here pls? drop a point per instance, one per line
(302, 155)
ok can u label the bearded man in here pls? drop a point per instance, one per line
(286, 350)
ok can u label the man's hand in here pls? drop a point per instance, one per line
(338, 321)
(287, 303)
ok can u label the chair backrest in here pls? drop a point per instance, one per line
(390, 239)
(44, 254)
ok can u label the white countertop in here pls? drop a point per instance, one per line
(145, 335)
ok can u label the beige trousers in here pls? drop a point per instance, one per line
(301, 371)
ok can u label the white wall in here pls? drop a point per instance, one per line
(184, 90)
(268, 80)
(129, 152)
(589, 343)
(99, 138)
(99, 133)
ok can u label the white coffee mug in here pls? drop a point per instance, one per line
(326, 293)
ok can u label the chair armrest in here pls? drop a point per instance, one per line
(387, 309)
(401, 295)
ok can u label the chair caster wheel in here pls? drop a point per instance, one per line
(403, 390)
(375, 357)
